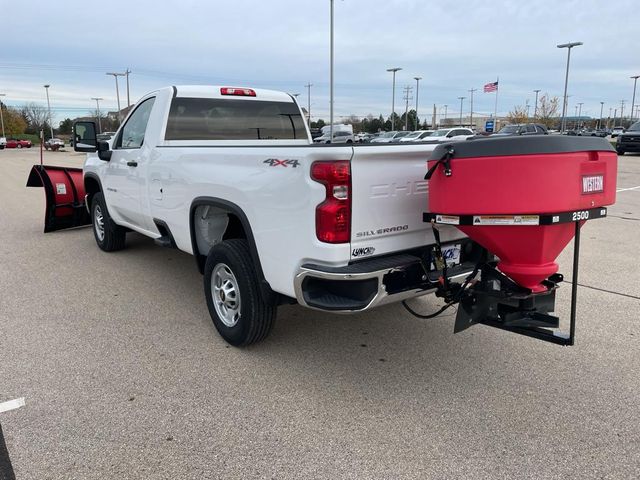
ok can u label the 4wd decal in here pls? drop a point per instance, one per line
(276, 162)
(363, 251)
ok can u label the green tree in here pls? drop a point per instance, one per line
(65, 126)
(14, 124)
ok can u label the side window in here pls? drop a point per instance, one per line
(531, 128)
(132, 135)
(539, 129)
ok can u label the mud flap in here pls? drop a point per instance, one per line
(64, 192)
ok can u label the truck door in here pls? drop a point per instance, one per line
(125, 179)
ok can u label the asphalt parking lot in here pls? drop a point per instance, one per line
(124, 375)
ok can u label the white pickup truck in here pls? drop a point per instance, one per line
(231, 176)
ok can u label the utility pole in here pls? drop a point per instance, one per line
(615, 116)
(633, 99)
(46, 87)
(116, 75)
(331, 78)
(568, 46)
(127, 72)
(1, 117)
(393, 96)
(417, 79)
(97, 99)
(600, 121)
(407, 91)
(461, 100)
(580, 113)
(308, 86)
(471, 110)
(535, 109)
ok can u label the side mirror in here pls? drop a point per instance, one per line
(104, 152)
(84, 137)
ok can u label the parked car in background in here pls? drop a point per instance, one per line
(522, 129)
(18, 143)
(3, 143)
(450, 134)
(53, 144)
(417, 136)
(384, 137)
(616, 131)
(629, 141)
(399, 136)
(338, 137)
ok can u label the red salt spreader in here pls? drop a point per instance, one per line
(523, 199)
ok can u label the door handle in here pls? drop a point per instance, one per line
(132, 164)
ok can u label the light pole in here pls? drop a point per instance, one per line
(575, 119)
(535, 109)
(97, 99)
(417, 79)
(622, 113)
(568, 46)
(116, 75)
(600, 121)
(126, 74)
(393, 96)
(331, 77)
(471, 109)
(308, 86)
(633, 99)
(445, 113)
(461, 100)
(46, 88)
(1, 117)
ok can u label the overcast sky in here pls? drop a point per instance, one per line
(283, 44)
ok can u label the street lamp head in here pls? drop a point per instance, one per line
(417, 78)
(570, 45)
(47, 86)
(395, 69)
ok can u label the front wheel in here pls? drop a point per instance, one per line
(109, 236)
(237, 308)
(19, 145)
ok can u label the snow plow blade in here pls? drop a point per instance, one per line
(64, 192)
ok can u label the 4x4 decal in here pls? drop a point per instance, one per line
(275, 162)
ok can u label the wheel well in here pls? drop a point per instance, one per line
(91, 187)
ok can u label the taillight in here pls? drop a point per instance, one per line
(241, 92)
(333, 216)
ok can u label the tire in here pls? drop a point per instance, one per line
(619, 152)
(237, 308)
(109, 236)
(19, 145)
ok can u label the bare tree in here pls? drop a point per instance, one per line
(35, 115)
(517, 115)
(548, 110)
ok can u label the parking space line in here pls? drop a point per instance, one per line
(627, 189)
(12, 404)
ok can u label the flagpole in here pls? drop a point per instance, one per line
(495, 113)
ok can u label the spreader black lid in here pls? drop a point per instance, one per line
(529, 145)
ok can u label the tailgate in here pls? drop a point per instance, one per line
(389, 196)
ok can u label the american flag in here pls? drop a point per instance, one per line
(491, 87)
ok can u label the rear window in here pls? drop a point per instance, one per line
(232, 119)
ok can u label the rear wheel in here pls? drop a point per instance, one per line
(237, 308)
(109, 236)
(19, 145)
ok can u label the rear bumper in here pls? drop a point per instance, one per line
(368, 284)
